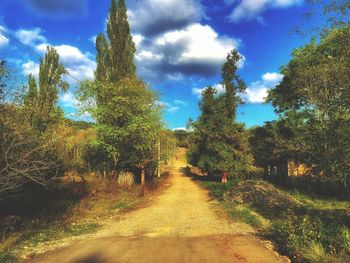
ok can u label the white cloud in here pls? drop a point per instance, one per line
(93, 39)
(80, 65)
(137, 38)
(252, 9)
(272, 78)
(202, 44)
(256, 92)
(173, 109)
(194, 50)
(152, 17)
(180, 129)
(30, 36)
(3, 40)
(69, 100)
(168, 107)
(148, 55)
(31, 67)
(180, 102)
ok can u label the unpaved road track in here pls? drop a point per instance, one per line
(181, 225)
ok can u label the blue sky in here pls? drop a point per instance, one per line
(181, 45)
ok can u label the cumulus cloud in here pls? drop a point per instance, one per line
(151, 17)
(194, 50)
(31, 67)
(180, 102)
(30, 36)
(172, 107)
(69, 100)
(80, 65)
(58, 7)
(3, 39)
(256, 92)
(272, 78)
(252, 9)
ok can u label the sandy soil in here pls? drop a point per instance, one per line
(181, 225)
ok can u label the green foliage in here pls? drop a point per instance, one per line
(314, 103)
(40, 101)
(243, 214)
(232, 84)
(6, 257)
(218, 142)
(124, 107)
(335, 13)
(26, 157)
(217, 190)
(311, 237)
(235, 211)
(167, 146)
(128, 122)
(182, 138)
(279, 140)
(115, 56)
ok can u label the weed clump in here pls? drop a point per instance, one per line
(262, 196)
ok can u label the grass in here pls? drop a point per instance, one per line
(216, 189)
(244, 214)
(71, 215)
(318, 233)
(319, 203)
(34, 237)
(126, 201)
(6, 257)
(236, 212)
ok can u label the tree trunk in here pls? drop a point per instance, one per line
(142, 176)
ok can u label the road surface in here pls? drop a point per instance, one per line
(181, 225)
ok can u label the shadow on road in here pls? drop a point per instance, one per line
(196, 176)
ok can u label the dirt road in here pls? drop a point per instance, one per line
(182, 225)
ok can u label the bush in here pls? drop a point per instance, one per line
(311, 238)
(262, 196)
(126, 179)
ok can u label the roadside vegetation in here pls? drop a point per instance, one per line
(290, 181)
(61, 178)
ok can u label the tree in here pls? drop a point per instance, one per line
(218, 142)
(24, 156)
(41, 98)
(336, 13)
(115, 57)
(315, 88)
(232, 83)
(128, 121)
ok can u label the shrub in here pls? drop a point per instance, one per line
(126, 179)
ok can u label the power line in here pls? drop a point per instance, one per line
(3, 32)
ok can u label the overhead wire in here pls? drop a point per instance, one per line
(31, 50)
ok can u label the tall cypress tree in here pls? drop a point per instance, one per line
(115, 57)
(102, 58)
(41, 99)
(232, 83)
(218, 142)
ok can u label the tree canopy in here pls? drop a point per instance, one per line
(115, 56)
(218, 142)
(315, 91)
